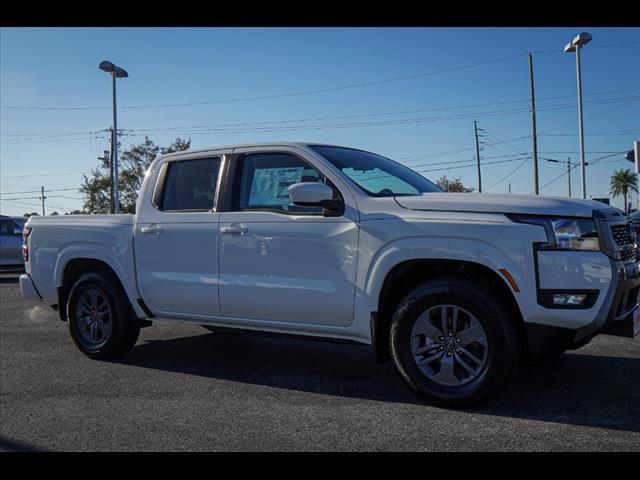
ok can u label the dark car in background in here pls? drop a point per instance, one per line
(635, 222)
(11, 241)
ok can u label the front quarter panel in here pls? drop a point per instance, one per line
(386, 241)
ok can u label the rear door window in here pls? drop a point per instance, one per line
(190, 185)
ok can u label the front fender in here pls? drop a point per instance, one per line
(473, 242)
(420, 248)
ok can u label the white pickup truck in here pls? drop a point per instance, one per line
(345, 245)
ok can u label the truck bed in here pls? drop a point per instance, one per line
(56, 240)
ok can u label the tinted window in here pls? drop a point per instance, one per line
(265, 179)
(378, 176)
(19, 222)
(191, 185)
(7, 227)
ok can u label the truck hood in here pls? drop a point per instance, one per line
(503, 203)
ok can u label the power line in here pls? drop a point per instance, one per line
(307, 92)
(592, 162)
(42, 174)
(467, 166)
(401, 121)
(610, 45)
(279, 95)
(227, 128)
(610, 132)
(298, 120)
(38, 191)
(509, 174)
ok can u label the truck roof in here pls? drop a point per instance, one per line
(256, 144)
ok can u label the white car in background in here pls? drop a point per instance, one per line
(342, 244)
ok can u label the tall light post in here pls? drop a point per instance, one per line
(116, 72)
(574, 46)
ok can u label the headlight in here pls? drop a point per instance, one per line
(575, 234)
(565, 233)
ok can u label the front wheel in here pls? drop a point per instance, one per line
(454, 342)
(99, 316)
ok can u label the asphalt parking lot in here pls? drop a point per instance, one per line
(185, 389)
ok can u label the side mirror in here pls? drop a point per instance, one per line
(312, 194)
(17, 231)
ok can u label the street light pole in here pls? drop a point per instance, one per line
(116, 72)
(114, 146)
(575, 45)
(580, 124)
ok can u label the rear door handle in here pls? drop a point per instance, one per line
(153, 229)
(234, 229)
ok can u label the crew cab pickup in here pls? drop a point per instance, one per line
(341, 244)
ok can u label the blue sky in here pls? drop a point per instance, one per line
(425, 121)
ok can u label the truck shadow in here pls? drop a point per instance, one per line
(10, 445)
(9, 280)
(577, 389)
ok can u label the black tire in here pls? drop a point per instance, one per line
(124, 328)
(504, 344)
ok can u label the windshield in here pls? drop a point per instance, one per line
(376, 175)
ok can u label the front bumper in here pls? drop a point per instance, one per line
(28, 288)
(619, 315)
(622, 318)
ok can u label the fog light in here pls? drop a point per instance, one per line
(568, 298)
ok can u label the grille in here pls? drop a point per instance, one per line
(625, 239)
(622, 234)
(629, 254)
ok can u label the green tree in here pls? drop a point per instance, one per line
(32, 214)
(622, 182)
(452, 185)
(133, 162)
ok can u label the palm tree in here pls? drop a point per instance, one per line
(623, 181)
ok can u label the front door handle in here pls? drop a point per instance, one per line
(153, 229)
(234, 229)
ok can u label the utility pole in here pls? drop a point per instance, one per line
(42, 197)
(569, 167)
(569, 174)
(107, 159)
(475, 126)
(533, 124)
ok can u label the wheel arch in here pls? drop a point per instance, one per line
(73, 268)
(407, 274)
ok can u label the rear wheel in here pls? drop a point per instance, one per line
(454, 342)
(99, 316)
